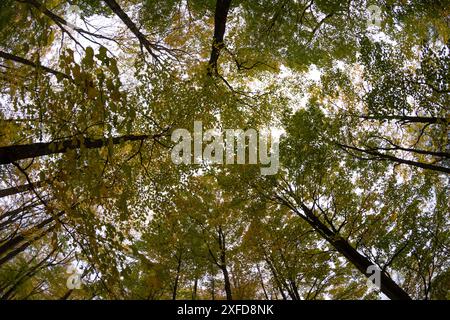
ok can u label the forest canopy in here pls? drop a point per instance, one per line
(352, 98)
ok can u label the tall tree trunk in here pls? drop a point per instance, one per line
(177, 278)
(25, 245)
(11, 154)
(220, 20)
(388, 286)
(223, 263)
(227, 283)
(406, 119)
(294, 289)
(19, 189)
(15, 214)
(194, 291)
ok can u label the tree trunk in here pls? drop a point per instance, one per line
(12, 243)
(220, 20)
(177, 278)
(223, 263)
(388, 286)
(19, 189)
(15, 214)
(20, 249)
(11, 154)
(406, 119)
(21, 237)
(226, 278)
(194, 291)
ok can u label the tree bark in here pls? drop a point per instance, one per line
(227, 283)
(19, 189)
(177, 277)
(11, 154)
(406, 119)
(220, 20)
(223, 263)
(194, 291)
(388, 286)
(17, 211)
